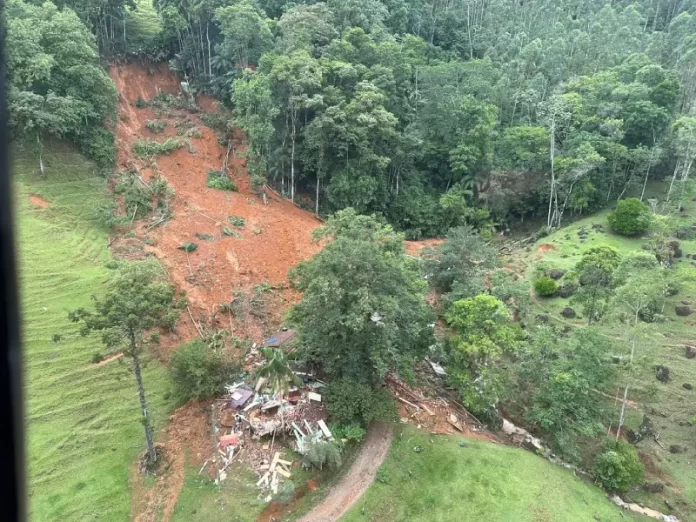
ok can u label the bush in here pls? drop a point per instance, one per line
(97, 357)
(618, 467)
(545, 287)
(236, 221)
(349, 402)
(322, 453)
(145, 148)
(349, 432)
(156, 126)
(98, 144)
(197, 371)
(631, 217)
(217, 179)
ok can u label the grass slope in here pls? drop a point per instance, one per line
(670, 406)
(445, 482)
(83, 424)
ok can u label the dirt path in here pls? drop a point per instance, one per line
(352, 486)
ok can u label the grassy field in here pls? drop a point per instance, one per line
(83, 421)
(446, 482)
(671, 407)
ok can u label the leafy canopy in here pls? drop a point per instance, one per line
(363, 312)
(138, 298)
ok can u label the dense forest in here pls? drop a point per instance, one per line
(433, 113)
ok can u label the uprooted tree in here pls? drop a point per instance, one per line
(137, 300)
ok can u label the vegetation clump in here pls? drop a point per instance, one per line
(146, 148)
(545, 287)
(218, 179)
(631, 217)
(618, 467)
(156, 126)
(236, 221)
(198, 371)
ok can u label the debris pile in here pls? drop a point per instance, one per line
(439, 415)
(276, 469)
(247, 417)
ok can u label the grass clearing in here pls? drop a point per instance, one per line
(201, 500)
(83, 421)
(481, 481)
(671, 407)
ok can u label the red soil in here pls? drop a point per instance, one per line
(38, 201)
(545, 248)
(414, 248)
(275, 238)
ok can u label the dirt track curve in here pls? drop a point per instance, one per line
(355, 483)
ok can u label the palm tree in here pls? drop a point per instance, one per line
(277, 371)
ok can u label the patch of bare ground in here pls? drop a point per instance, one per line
(38, 201)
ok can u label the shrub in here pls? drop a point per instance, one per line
(98, 144)
(545, 287)
(322, 453)
(236, 221)
(136, 197)
(618, 467)
(156, 126)
(188, 247)
(217, 179)
(349, 432)
(197, 371)
(631, 217)
(145, 148)
(106, 214)
(97, 357)
(349, 402)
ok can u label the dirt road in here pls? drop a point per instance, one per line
(352, 486)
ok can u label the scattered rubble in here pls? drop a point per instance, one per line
(248, 415)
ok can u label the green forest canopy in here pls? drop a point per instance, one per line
(432, 113)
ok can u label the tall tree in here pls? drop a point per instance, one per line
(138, 298)
(363, 312)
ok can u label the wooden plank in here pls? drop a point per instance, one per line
(310, 431)
(275, 461)
(430, 412)
(263, 479)
(297, 428)
(325, 428)
(284, 462)
(281, 471)
(408, 403)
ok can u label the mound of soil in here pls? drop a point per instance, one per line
(545, 248)
(38, 201)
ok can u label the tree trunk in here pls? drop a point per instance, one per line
(674, 177)
(292, 164)
(151, 453)
(552, 151)
(41, 163)
(210, 60)
(645, 182)
(625, 394)
(316, 199)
